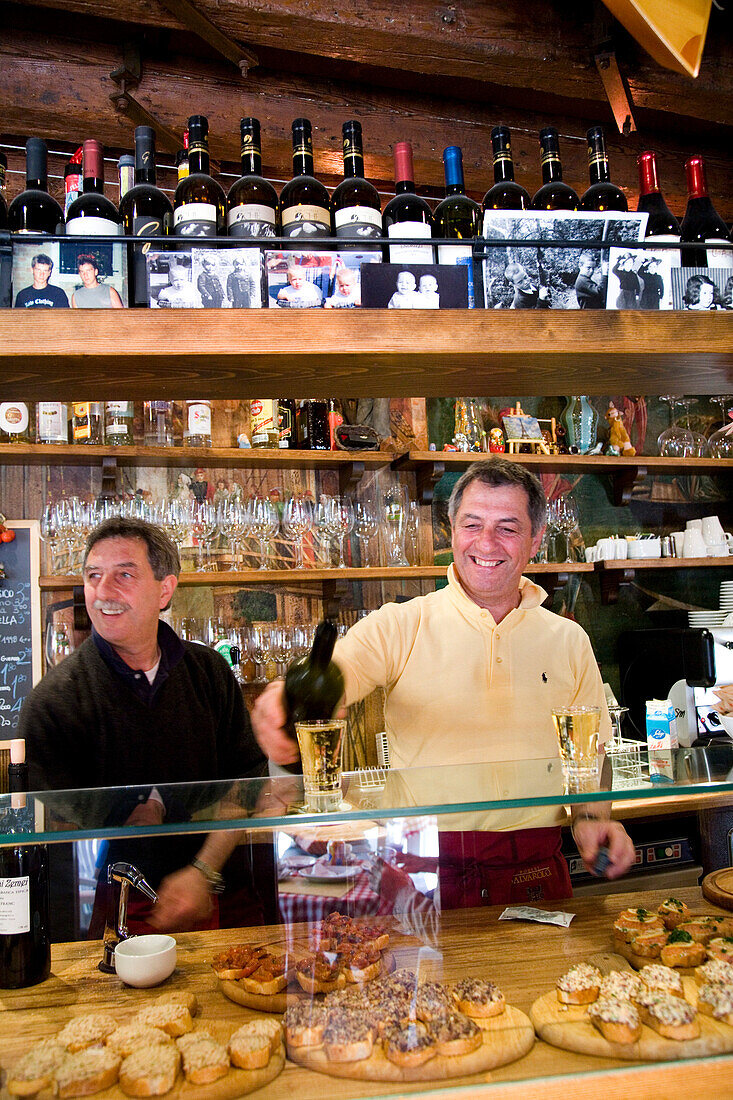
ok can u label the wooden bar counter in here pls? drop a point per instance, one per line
(523, 958)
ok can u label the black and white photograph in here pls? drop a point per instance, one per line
(170, 281)
(415, 286)
(73, 274)
(544, 276)
(316, 280)
(640, 278)
(704, 289)
(205, 278)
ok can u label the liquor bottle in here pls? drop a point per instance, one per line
(335, 417)
(199, 204)
(92, 214)
(287, 435)
(407, 215)
(34, 210)
(702, 222)
(182, 164)
(505, 194)
(554, 194)
(158, 423)
(661, 224)
(73, 181)
(252, 206)
(305, 208)
(197, 429)
(15, 422)
(125, 174)
(457, 217)
(25, 945)
(602, 194)
(145, 211)
(3, 202)
(312, 425)
(356, 207)
(264, 427)
(87, 422)
(52, 422)
(314, 684)
(118, 417)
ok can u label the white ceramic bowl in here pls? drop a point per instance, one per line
(143, 961)
(726, 721)
(645, 548)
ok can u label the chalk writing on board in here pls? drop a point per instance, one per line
(16, 627)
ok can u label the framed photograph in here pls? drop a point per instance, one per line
(522, 429)
(317, 280)
(702, 288)
(170, 281)
(78, 273)
(415, 286)
(570, 271)
(227, 278)
(640, 278)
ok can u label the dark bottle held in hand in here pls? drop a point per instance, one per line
(314, 685)
(602, 194)
(25, 947)
(505, 194)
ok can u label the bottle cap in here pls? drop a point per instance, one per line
(301, 125)
(696, 180)
(453, 165)
(250, 126)
(403, 169)
(145, 134)
(36, 154)
(647, 165)
(93, 159)
(126, 161)
(351, 128)
(500, 134)
(17, 750)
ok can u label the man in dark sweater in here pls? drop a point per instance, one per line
(135, 706)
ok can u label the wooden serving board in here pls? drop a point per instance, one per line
(568, 1027)
(717, 887)
(278, 1002)
(637, 961)
(506, 1038)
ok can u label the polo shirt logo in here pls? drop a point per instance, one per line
(544, 677)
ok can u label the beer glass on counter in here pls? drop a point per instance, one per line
(320, 744)
(577, 735)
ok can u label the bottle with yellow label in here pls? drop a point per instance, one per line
(87, 422)
(15, 422)
(264, 423)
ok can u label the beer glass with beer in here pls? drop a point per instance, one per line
(320, 744)
(577, 735)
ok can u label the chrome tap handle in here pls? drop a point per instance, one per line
(127, 875)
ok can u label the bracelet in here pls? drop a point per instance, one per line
(214, 879)
(583, 817)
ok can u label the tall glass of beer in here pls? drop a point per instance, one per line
(577, 735)
(320, 745)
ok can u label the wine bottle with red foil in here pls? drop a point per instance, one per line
(34, 210)
(602, 195)
(199, 204)
(252, 204)
(305, 208)
(407, 214)
(554, 194)
(73, 181)
(93, 214)
(661, 223)
(702, 223)
(357, 210)
(25, 945)
(505, 194)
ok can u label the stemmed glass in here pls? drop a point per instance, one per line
(84, 519)
(567, 521)
(283, 646)
(49, 533)
(700, 443)
(342, 521)
(721, 441)
(264, 525)
(64, 521)
(395, 524)
(174, 517)
(296, 522)
(262, 645)
(675, 441)
(413, 532)
(233, 523)
(203, 526)
(322, 525)
(365, 527)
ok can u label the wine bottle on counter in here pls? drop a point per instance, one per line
(407, 214)
(87, 422)
(52, 422)
(357, 209)
(702, 223)
(25, 945)
(15, 422)
(34, 210)
(305, 208)
(661, 223)
(73, 181)
(553, 194)
(252, 204)
(505, 194)
(457, 217)
(145, 210)
(314, 684)
(93, 214)
(602, 194)
(199, 204)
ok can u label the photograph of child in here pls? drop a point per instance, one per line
(641, 278)
(415, 286)
(316, 280)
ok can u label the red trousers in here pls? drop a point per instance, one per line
(521, 867)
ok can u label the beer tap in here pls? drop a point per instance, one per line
(115, 929)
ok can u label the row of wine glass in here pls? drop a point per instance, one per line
(680, 440)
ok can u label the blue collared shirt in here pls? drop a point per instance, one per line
(172, 651)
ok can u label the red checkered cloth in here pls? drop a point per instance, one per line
(360, 901)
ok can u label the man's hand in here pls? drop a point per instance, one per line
(184, 902)
(268, 723)
(151, 812)
(591, 834)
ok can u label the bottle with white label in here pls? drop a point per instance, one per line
(199, 204)
(87, 422)
(357, 210)
(92, 214)
(305, 208)
(264, 427)
(252, 205)
(25, 945)
(197, 430)
(52, 422)
(15, 422)
(407, 215)
(118, 417)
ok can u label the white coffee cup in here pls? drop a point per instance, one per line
(693, 523)
(712, 529)
(717, 549)
(606, 549)
(694, 544)
(621, 548)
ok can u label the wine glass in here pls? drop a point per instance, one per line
(322, 525)
(675, 441)
(262, 645)
(720, 442)
(264, 525)
(296, 522)
(567, 521)
(394, 518)
(203, 526)
(365, 527)
(282, 646)
(700, 443)
(232, 522)
(58, 644)
(342, 521)
(49, 532)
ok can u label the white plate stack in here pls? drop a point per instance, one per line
(726, 601)
(707, 618)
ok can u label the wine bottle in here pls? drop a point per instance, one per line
(158, 423)
(602, 194)
(312, 425)
(3, 203)
(356, 207)
(87, 422)
(92, 214)
(661, 224)
(305, 208)
(34, 210)
(335, 419)
(252, 205)
(407, 215)
(554, 194)
(199, 204)
(457, 217)
(505, 194)
(182, 164)
(73, 181)
(118, 416)
(125, 175)
(25, 945)
(145, 211)
(314, 684)
(702, 222)
(52, 422)
(15, 422)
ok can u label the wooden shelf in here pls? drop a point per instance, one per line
(67, 454)
(59, 354)
(615, 573)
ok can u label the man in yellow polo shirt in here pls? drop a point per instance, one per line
(471, 674)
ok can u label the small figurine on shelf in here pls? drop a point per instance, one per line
(618, 438)
(497, 446)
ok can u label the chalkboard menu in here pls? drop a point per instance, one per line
(20, 622)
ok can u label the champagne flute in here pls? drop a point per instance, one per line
(342, 521)
(413, 531)
(395, 523)
(365, 527)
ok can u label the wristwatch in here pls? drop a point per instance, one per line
(214, 879)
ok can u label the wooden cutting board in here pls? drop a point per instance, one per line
(572, 1030)
(506, 1038)
(278, 1002)
(717, 887)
